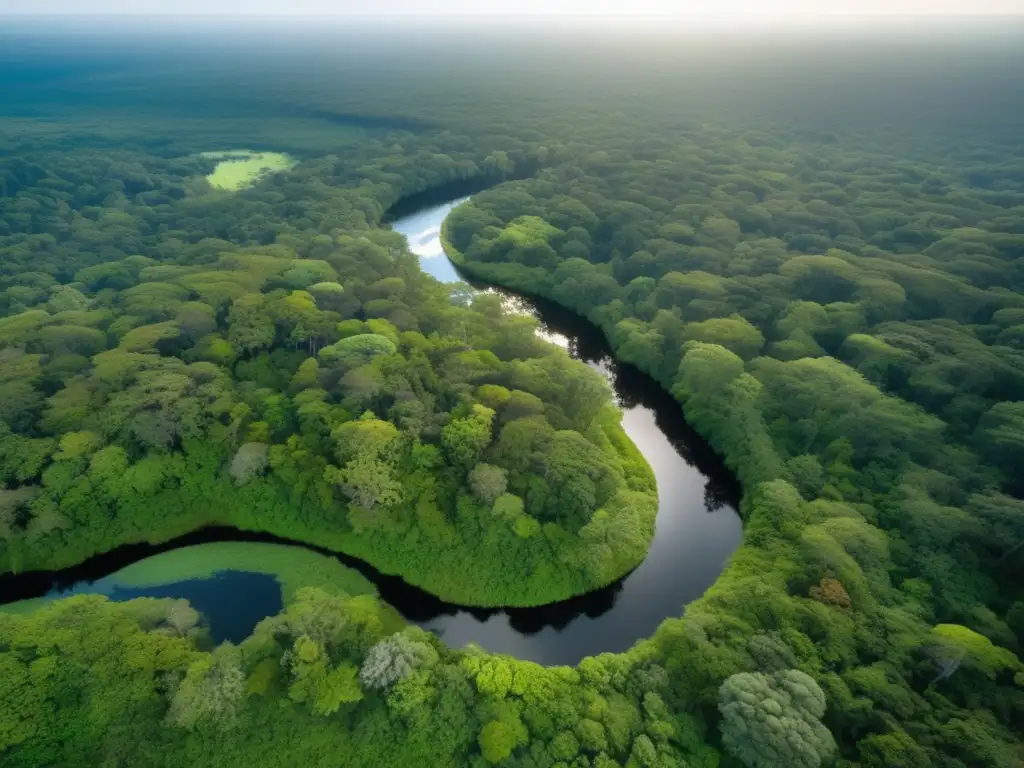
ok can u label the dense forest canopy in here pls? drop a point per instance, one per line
(319, 366)
(825, 274)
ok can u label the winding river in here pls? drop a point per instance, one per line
(698, 526)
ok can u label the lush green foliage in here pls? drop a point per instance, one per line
(331, 675)
(839, 311)
(838, 324)
(320, 387)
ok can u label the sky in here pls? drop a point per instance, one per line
(746, 10)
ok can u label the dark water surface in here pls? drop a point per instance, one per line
(698, 526)
(232, 602)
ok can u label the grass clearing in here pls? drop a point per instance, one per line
(241, 168)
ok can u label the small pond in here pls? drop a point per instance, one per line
(231, 602)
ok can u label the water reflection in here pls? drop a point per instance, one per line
(698, 526)
(423, 231)
(230, 602)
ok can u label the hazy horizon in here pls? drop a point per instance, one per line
(732, 12)
(864, 71)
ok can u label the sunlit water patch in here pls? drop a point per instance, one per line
(423, 231)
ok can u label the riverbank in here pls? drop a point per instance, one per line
(452, 574)
(686, 554)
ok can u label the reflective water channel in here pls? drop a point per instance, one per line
(698, 526)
